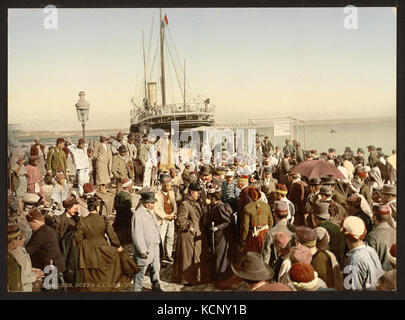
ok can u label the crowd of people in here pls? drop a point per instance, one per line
(219, 220)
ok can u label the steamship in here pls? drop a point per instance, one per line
(147, 113)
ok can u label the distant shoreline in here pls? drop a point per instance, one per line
(112, 132)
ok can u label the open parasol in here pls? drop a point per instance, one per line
(316, 169)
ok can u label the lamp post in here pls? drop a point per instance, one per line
(82, 109)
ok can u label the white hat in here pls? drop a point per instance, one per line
(229, 173)
(354, 227)
(126, 182)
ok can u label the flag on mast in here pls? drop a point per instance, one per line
(165, 20)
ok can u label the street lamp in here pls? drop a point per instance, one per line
(82, 109)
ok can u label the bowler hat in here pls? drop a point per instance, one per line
(268, 170)
(371, 147)
(252, 267)
(205, 170)
(195, 186)
(148, 197)
(322, 210)
(315, 181)
(122, 149)
(326, 190)
(389, 189)
(328, 180)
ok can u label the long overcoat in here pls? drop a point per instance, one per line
(221, 215)
(191, 264)
(102, 267)
(103, 163)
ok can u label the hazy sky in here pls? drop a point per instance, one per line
(251, 63)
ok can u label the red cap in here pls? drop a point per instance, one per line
(301, 272)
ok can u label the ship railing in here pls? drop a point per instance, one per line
(178, 109)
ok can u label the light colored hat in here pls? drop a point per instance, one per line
(354, 228)
(301, 254)
(229, 173)
(321, 233)
(281, 239)
(126, 182)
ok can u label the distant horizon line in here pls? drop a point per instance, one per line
(307, 122)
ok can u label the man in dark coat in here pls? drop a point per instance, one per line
(285, 168)
(267, 147)
(372, 158)
(321, 218)
(191, 262)
(298, 197)
(329, 180)
(288, 148)
(298, 151)
(43, 247)
(122, 222)
(221, 223)
(336, 211)
(65, 222)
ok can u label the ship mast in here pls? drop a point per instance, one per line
(162, 60)
(184, 87)
(144, 65)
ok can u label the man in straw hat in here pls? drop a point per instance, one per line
(362, 267)
(146, 238)
(255, 272)
(383, 236)
(103, 156)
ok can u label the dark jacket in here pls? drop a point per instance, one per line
(43, 247)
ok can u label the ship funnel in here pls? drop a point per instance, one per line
(152, 93)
